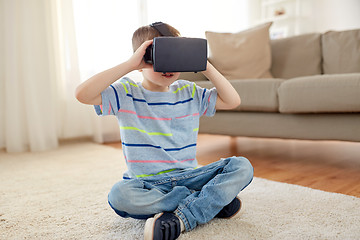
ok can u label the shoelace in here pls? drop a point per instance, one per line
(170, 229)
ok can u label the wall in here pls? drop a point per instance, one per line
(336, 15)
(317, 15)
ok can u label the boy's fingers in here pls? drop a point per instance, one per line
(143, 46)
(146, 44)
(137, 57)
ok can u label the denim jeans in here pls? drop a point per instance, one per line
(196, 196)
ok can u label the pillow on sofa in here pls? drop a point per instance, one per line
(341, 51)
(296, 56)
(245, 54)
(191, 76)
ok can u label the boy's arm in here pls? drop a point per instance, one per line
(89, 92)
(227, 98)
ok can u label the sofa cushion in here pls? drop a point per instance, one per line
(242, 55)
(341, 51)
(191, 76)
(321, 93)
(296, 56)
(255, 94)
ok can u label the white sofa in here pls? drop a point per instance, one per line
(313, 91)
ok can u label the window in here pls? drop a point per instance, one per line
(193, 18)
(104, 28)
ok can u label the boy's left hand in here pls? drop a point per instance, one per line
(228, 98)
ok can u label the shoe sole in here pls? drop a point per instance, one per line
(149, 227)
(236, 211)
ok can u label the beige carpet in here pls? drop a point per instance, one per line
(62, 194)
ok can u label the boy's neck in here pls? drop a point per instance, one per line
(154, 87)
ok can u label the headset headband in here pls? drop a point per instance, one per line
(162, 29)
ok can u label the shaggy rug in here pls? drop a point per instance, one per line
(62, 194)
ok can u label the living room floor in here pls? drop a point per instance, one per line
(332, 166)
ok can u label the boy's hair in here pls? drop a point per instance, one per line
(145, 33)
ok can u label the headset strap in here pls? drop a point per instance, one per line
(162, 29)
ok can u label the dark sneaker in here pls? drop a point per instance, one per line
(231, 209)
(163, 226)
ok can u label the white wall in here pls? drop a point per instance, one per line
(317, 15)
(336, 15)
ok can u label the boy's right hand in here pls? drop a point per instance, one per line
(89, 92)
(136, 61)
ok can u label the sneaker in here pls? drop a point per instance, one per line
(163, 226)
(231, 209)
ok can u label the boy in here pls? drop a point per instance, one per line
(159, 122)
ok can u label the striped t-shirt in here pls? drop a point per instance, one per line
(158, 129)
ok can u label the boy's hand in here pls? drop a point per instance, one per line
(89, 92)
(136, 61)
(228, 98)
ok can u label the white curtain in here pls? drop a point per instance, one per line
(39, 72)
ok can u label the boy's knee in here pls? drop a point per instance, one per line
(244, 167)
(117, 197)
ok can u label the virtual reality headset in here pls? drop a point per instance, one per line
(176, 54)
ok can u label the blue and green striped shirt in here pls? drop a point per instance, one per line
(158, 129)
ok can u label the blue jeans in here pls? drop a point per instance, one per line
(196, 196)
